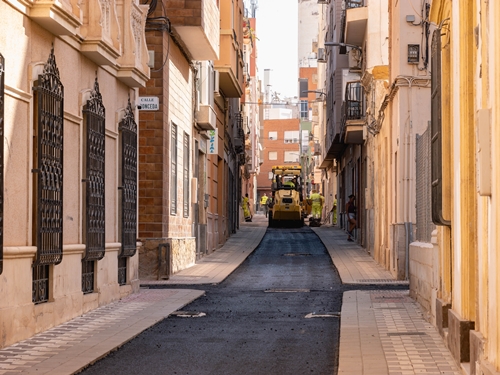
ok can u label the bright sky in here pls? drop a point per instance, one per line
(277, 44)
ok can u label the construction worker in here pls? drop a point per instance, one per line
(263, 203)
(290, 184)
(245, 204)
(317, 204)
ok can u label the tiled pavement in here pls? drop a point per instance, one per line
(382, 332)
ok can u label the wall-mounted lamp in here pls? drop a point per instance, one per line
(335, 44)
(320, 98)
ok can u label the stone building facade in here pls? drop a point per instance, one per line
(69, 75)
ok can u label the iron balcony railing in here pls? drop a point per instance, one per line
(353, 107)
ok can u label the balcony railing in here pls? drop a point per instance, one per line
(354, 104)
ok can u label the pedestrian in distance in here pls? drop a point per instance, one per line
(350, 208)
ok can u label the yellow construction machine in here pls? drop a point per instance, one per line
(286, 207)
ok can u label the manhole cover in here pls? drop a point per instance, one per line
(323, 315)
(287, 291)
(188, 314)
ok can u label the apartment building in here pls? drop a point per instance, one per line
(69, 74)
(189, 150)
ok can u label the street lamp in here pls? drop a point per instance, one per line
(335, 44)
(317, 92)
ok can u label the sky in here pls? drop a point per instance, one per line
(276, 31)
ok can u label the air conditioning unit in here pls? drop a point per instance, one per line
(323, 1)
(321, 55)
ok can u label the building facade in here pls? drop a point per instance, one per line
(69, 74)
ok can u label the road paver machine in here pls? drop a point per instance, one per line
(286, 206)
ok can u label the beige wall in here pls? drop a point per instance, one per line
(26, 46)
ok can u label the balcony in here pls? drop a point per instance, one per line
(230, 65)
(59, 17)
(353, 114)
(354, 19)
(197, 25)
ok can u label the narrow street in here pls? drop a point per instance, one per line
(264, 319)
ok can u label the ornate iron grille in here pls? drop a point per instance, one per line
(173, 170)
(185, 176)
(128, 128)
(122, 271)
(49, 164)
(40, 289)
(2, 89)
(94, 113)
(88, 276)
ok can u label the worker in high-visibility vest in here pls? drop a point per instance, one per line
(317, 204)
(245, 204)
(263, 203)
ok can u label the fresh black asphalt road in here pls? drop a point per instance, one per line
(258, 321)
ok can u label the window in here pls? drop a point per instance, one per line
(128, 209)
(303, 87)
(270, 175)
(173, 170)
(2, 88)
(185, 176)
(273, 155)
(304, 109)
(47, 176)
(291, 156)
(291, 136)
(273, 136)
(94, 189)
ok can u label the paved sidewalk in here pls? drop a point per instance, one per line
(382, 332)
(72, 346)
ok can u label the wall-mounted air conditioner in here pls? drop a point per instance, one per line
(321, 55)
(323, 1)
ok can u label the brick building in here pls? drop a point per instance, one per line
(281, 145)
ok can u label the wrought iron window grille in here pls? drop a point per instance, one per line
(185, 176)
(128, 129)
(173, 170)
(94, 145)
(122, 271)
(2, 93)
(40, 288)
(48, 164)
(88, 276)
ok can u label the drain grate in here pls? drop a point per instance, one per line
(188, 314)
(323, 315)
(406, 334)
(296, 254)
(287, 291)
